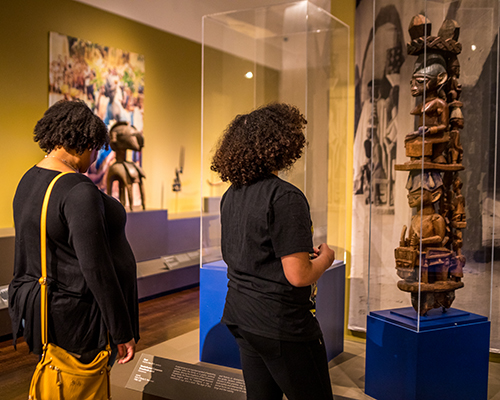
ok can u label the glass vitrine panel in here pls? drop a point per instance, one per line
(425, 161)
(295, 53)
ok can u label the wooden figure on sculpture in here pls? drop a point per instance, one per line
(458, 222)
(428, 77)
(125, 137)
(454, 88)
(422, 195)
(424, 251)
(458, 219)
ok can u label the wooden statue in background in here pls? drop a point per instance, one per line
(429, 260)
(125, 137)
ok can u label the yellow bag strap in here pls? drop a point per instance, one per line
(43, 252)
(43, 248)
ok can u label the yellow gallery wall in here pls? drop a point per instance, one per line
(172, 94)
(172, 114)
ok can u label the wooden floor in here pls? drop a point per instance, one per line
(160, 319)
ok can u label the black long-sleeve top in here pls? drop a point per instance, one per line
(91, 269)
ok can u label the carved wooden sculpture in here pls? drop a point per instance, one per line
(430, 259)
(125, 137)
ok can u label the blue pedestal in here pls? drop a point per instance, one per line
(218, 346)
(446, 359)
(330, 305)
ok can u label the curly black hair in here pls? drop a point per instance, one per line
(72, 125)
(253, 146)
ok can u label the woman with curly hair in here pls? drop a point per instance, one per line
(272, 265)
(91, 269)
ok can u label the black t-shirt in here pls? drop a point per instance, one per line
(261, 223)
(90, 266)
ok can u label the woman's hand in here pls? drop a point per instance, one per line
(126, 352)
(325, 251)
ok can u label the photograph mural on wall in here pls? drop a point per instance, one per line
(383, 119)
(378, 90)
(111, 82)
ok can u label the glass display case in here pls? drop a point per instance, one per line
(426, 211)
(423, 271)
(295, 53)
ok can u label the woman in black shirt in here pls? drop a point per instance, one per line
(272, 265)
(90, 266)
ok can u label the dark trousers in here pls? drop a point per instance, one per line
(273, 367)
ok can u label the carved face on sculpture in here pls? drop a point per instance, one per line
(125, 137)
(414, 198)
(432, 183)
(454, 68)
(423, 197)
(417, 83)
(457, 185)
(429, 75)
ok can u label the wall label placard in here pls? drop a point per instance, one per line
(175, 380)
